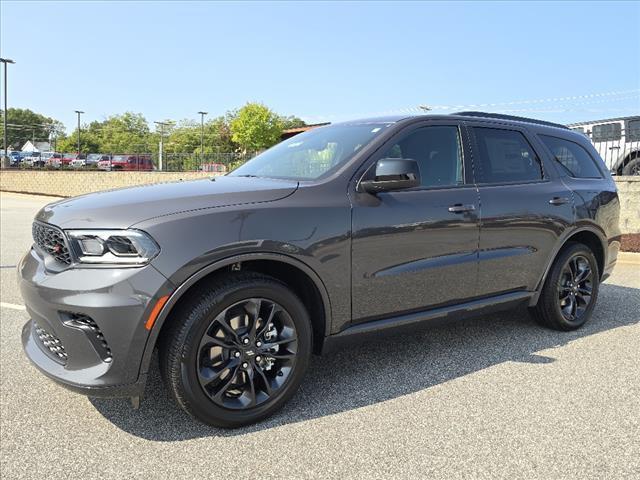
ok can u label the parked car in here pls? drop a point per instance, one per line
(342, 231)
(91, 160)
(617, 140)
(127, 162)
(65, 159)
(54, 160)
(213, 167)
(15, 158)
(32, 159)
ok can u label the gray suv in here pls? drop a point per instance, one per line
(347, 230)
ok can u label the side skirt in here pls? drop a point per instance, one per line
(362, 331)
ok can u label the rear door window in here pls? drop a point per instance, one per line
(606, 132)
(573, 157)
(505, 156)
(633, 131)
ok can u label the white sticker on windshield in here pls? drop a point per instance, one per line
(376, 130)
(295, 144)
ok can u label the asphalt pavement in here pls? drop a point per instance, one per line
(493, 397)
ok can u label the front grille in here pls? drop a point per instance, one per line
(52, 344)
(52, 241)
(91, 330)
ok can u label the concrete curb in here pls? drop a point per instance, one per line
(629, 258)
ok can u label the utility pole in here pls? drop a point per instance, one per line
(202, 114)
(5, 61)
(160, 150)
(79, 112)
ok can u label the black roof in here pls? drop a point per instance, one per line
(457, 116)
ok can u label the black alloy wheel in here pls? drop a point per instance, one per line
(575, 287)
(570, 291)
(247, 353)
(236, 349)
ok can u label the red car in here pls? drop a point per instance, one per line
(127, 162)
(58, 160)
(213, 167)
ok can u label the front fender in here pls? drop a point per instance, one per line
(184, 287)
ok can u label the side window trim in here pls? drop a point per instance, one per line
(496, 126)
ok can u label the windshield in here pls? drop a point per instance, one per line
(313, 154)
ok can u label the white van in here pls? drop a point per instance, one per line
(617, 140)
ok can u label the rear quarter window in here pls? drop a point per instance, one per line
(575, 160)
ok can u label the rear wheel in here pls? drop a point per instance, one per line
(632, 168)
(570, 290)
(237, 351)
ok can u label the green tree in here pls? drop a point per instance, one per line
(24, 124)
(125, 133)
(256, 127)
(69, 144)
(292, 121)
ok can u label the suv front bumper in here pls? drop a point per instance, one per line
(87, 324)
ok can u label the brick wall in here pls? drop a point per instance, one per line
(629, 192)
(71, 183)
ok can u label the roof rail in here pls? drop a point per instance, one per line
(500, 116)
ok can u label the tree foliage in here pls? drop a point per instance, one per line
(251, 128)
(256, 127)
(24, 124)
(292, 121)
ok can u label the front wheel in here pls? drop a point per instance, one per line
(237, 350)
(571, 289)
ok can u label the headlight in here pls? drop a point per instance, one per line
(117, 247)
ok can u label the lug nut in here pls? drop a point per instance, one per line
(245, 341)
(236, 354)
(245, 364)
(258, 344)
(258, 358)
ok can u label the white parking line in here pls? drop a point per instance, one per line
(12, 306)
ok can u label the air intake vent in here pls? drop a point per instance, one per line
(91, 330)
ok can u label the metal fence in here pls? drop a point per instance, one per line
(220, 162)
(617, 142)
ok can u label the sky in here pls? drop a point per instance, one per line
(322, 61)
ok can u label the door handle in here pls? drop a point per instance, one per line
(559, 200)
(459, 208)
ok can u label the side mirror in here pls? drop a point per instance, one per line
(391, 174)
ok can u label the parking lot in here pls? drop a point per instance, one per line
(494, 397)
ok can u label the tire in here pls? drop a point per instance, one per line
(632, 168)
(555, 309)
(217, 378)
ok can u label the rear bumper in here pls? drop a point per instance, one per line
(87, 325)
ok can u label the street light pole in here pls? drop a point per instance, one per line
(5, 61)
(79, 112)
(202, 114)
(160, 150)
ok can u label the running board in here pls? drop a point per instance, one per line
(462, 310)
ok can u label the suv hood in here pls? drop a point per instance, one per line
(125, 207)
